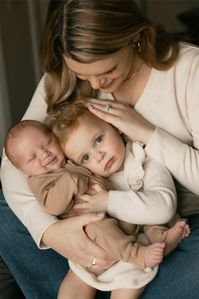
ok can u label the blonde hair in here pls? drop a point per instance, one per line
(68, 120)
(15, 131)
(90, 30)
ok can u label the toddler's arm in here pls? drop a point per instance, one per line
(154, 204)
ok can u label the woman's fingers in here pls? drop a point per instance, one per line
(106, 106)
(123, 117)
(81, 207)
(91, 250)
(68, 238)
(119, 115)
(100, 111)
(88, 218)
(104, 103)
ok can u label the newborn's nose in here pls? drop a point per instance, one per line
(43, 154)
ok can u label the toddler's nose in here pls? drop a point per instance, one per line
(99, 156)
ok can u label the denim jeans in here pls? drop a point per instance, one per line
(8, 286)
(40, 272)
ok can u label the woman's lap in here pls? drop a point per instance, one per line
(40, 272)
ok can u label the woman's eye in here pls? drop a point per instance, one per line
(85, 158)
(98, 139)
(112, 70)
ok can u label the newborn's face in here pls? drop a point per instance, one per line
(37, 152)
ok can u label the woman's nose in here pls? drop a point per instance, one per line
(96, 82)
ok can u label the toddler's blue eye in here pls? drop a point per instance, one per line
(85, 158)
(98, 139)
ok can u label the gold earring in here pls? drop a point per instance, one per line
(137, 45)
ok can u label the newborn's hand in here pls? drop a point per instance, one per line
(96, 203)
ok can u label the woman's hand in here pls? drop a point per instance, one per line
(123, 117)
(95, 203)
(68, 238)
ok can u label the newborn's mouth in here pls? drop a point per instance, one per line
(52, 161)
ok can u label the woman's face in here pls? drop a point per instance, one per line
(107, 74)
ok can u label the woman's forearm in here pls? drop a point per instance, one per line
(181, 159)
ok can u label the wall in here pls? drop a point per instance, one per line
(21, 24)
(177, 16)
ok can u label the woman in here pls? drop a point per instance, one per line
(109, 49)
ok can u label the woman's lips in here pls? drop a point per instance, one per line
(106, 86)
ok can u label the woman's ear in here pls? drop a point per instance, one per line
(136, 37)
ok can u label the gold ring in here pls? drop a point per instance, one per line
(108, 107)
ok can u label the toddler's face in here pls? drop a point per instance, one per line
(37, 152)
(96, 145)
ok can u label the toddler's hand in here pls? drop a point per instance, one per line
(96, 203)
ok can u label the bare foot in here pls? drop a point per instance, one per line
(175, 234)
(154, 254)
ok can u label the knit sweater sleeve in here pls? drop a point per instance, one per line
(54, 191)
(154, 204)
(180, 158)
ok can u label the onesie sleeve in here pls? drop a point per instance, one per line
(14, 183)
(155, 203)
(55, 191)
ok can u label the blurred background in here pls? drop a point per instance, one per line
(21, 25)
